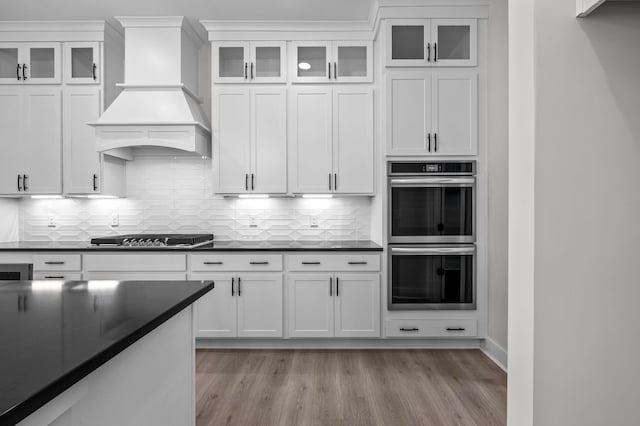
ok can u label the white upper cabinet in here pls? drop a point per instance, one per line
(30, 63)
(331, 133)
(249, 62)
(251, 140)
(82, 64)
(331, 62)
(432, 113)
(432, 43)
(11, 123)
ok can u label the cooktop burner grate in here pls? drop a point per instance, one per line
(154, 240)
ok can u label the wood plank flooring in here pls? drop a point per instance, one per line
(349, 387)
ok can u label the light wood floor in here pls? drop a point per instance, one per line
(349, 387)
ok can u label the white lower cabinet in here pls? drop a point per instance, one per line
(240, 305)
(334, 305)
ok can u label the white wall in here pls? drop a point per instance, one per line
(497, 101)
(8, 220)
(587, 204)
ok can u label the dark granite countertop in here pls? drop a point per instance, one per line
(248, 245)
(54, 333)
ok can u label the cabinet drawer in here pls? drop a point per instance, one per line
(56, 262)
(136, 276)
(347, 262)
(135, 262)
(232, 262)
(55, 275)
(432, 328)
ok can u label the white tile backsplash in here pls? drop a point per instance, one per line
(175, 194)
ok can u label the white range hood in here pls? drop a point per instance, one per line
(157, 107)
(585, 7)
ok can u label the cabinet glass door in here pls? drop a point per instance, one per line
(82, 63)
(353, 62)
(312, 63)
(455, 42)
(9, 62)
(268, 62)
(407, 41)
(43, 64)
(230, 62)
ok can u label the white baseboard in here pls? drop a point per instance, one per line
(237, 343)
(495, 352)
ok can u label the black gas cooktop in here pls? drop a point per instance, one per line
(153, 240)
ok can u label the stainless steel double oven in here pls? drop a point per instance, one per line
(432, 234)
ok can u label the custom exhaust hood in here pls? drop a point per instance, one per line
(157, 106)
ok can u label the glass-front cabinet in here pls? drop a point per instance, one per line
(249, 62)
(30, 63)
(432, 42)
(82, 63)
(332, 62)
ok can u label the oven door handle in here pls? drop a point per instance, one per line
(434, 181)
(434, 250)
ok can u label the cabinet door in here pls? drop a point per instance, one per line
(311, 140)
(42, 62)
(357, 305)
(268, 62)
(81, 160)
(11, 119)
(82, 63)
(408, 112)
(352, 62)
(455, 42)
(310, 305)
(233, 124)
(215, 312)
(311, 62)
(42, 152)
(408, 42)
(268, 140)
(455, 113)
(260, 305)
(230, 62)
(353, 140)
(11, 63)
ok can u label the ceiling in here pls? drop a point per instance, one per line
(316, 10)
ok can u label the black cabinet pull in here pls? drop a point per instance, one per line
(251, 70)
(456, 329)
(258, 263)
(24, 74)
(213, 263)
(435, 142)
(95, 303)
(19, 303)
(337, 286)
(245, 70)
(24, 303)
(335, 181)
(95, 182)
(54, 262)
(24, 182)
(335, 70)
(246, 181)
(428, 52)
(435, 52)
(18, 72)
(94, 72)
(19, 182)
(329, 68)
(357, 263)
(330, 286)
(252, 182)
(232, 290)
(239, 288)
(310, 263)
(409, 329)
(429, 142)
(329, 181)
(54, 277)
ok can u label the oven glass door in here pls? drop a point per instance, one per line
(432, 210)
(432, 278)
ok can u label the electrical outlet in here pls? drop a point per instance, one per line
(52, 222)
(253, 222)
(314, 221)
(115, 220)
